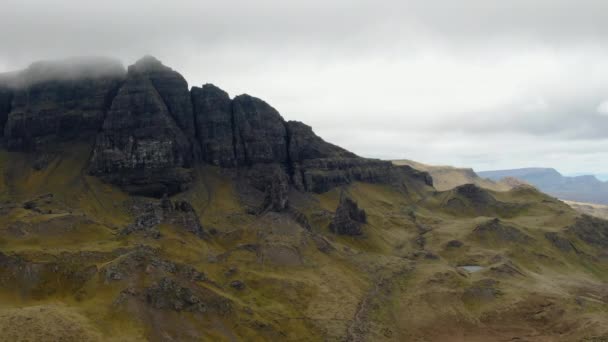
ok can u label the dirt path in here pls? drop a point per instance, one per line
(359, 327)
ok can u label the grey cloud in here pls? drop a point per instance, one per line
(442, 81)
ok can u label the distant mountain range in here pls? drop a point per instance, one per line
(580, 188)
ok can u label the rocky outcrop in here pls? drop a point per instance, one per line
(260, 133)
(348, 219)
(496, 230)
(277, 191)
(173, 89)
(151, 131)
(150, 214)
(319, 166)
(141, 147)
(6, 98)
(60, 101)
(213, 117)
(560, 242)
(169, 294)
(591, 230)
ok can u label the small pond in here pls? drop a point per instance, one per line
(471, 268)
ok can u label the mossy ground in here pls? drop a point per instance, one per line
(398, 282)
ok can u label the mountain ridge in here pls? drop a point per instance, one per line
(150, 129)
(126, 216)
(586, 188)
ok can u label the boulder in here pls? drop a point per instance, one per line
(213, 117)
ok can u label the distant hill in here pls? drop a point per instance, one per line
(597, 210)
(579, 188)
(449, 177)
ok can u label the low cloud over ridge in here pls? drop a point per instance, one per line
(475, 83)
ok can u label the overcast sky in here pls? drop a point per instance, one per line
(481, 83)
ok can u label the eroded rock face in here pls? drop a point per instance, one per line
(6, 98)
(141, 147)
(173, 89)
(149, 214)
(319, 166)
(593, 231)
(260, 133)
(348, 218)
(168, 294)
(560, 242)
(151, 131)
(60, 101)
(213, 116)
(498, 231)
(277, 191)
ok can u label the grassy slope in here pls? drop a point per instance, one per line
(597, 210)
(389, 284)
(449, 177)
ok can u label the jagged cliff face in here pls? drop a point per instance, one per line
(150, 130)
(53, 101)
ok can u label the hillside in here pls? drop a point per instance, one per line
(449, 177)
(592, 209)
(135, 209)
(579, 189)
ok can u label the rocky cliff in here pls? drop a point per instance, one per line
(149, 130)
(59, 101)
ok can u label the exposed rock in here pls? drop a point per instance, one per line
(146, 259)
(319, 166)
(560, 242)
(496, 230)
(150, 214)
(260, 133)
(304, 144)
(67, 273)
(300, 218)
(454, 244)
(322, 244)
(506, 269)
(153, 131)
(482, 290)
(6, 98)
(168, 294)
(213, 117)
(141, 148)
(276, 194)
(237, 284)
(184, 215)
(591, 230)
(474, 193)
(263, 187)
(348, 218)
(173, 89)
(471, 200)
(60, 101)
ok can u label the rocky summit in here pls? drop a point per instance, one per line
(135, 208)
(149, 130)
